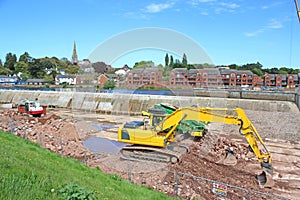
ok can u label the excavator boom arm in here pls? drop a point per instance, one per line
(217, 115)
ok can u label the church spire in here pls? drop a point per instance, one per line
(74, 55)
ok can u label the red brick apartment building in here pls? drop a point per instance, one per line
(209, 78)
(237, 78)
(206, 78)
(143, 76)
(281, 80)
(213, 78)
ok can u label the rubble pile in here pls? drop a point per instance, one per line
(240, 150)
(50, 131)
(193, 163)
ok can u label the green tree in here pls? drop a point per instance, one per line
(167, 60)
(258, 72)
(110, 84)
(22, 67)
(233, 66)
(4, 71)
(283, 71)
(178, 64)
(72, 69)
(1, 65)
(36, 69)
(251, 66)
(274, 70)
(171, 61)
(24, 76)
(25, 57)
(184, 60)
(143, 64)
(10, 61)
(160, 67)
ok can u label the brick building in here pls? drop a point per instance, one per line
(178, 77)
(237, 78)
(209, 78)
(281, 80)
(143, 76)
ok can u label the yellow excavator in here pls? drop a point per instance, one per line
(160, 131)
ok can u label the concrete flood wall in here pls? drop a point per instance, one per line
(247, 94)
(124, 103)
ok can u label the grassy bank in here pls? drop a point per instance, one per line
(28, 171)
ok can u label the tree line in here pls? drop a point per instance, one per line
(255, 68)
(27, 67)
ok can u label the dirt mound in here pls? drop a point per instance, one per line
(52, 132)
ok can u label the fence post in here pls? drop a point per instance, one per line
(11, 124)
(175, 184)
(248, 197)
(129, 172)
(85, 161)
(40, 139)
(61, 147)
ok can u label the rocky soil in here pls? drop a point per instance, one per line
(192, 176)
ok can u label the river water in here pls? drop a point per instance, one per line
(177, 92)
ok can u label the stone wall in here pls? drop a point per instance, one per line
(124, 103)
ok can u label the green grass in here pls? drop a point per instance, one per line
(28, 171)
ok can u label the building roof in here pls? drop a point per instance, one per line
(66, 76)
(193, 71)
(283, 76)
(212, 71)
(179, 70)
(35, 81)
(144, 70)
(248, 72)
(226, 71)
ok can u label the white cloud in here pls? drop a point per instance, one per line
(155, 8)
(230, 5)
(216, 6)
(197, 2)
(268, 6)
(254, 33)
(273, 24)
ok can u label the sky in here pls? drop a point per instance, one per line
(228, 31)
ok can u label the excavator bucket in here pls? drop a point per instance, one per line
(229, 158)
(265, 179)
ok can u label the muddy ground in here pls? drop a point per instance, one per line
(63, 131)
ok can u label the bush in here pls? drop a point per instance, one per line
(75, 192)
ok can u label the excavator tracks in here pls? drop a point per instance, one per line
(144, 153)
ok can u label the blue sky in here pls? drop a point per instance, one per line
(230, 32)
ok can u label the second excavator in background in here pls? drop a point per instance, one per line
(157, 140)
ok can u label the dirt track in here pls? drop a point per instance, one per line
(280, 131)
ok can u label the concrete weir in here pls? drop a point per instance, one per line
(134, 103)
